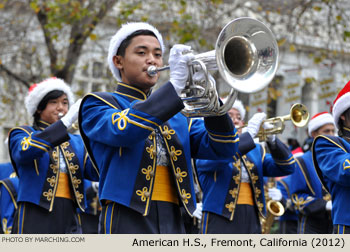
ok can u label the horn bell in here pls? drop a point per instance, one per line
(246, 55)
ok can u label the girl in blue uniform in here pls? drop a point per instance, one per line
(50, 162)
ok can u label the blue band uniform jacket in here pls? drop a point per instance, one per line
(118, 130)
(8, 202)
(220, 180)
(309, 197)
(331, 157)
(284, 185)
(35, 158)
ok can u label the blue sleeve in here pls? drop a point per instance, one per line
(333, 160)
(213, 142)
(280, 162)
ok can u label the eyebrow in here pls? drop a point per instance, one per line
(145, 47)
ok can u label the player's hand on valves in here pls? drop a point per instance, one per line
(179, 58)
(72, 114)
(275, 193)
(254, 124)
(198, 212)
(270, 138)
(200, 76)
(329, 205)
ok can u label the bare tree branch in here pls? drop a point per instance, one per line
(14, 75)
(79, 33)
(42, 17)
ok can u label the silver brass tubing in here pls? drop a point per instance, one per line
(153, 70)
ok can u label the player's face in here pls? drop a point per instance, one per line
(236, 119)
(54, 108)
(142, 52)
(327, 129)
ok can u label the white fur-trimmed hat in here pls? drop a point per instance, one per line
(341, 103)
(239, 106)
(126, 30)
(319, 120)
(38, 91)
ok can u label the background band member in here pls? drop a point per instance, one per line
(8, 197)
(50, 162)
(288, 222)
(233, 189)
(312, 202)
(332, 162)
(89, 219)
(140, 142)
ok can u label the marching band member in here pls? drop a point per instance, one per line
(8, 202)
(288, 222)
(89, 219)
(50, 162)
(332, 162)
(233, 190)
(140, 142)
(308, 196)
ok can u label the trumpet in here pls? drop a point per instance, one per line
(298, 114)
(245, 55)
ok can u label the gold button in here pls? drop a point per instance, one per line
(147, 194)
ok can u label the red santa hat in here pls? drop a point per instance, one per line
(38, 91)
(126, 30)
(297, 152)
(341, 103)
(319, 120)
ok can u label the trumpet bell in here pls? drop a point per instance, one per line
(246, 55)
(299, 115)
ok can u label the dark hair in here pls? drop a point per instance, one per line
(126, 42)
(346, 113)
(42, 104)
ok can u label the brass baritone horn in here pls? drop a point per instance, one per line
(245, 54)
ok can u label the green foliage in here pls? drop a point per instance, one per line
(346, 35)
(128, 10)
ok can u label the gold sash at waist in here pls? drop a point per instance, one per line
(63, 188)
(245, 195)
(164, 187)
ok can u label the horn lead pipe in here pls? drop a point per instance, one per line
(153, 70)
